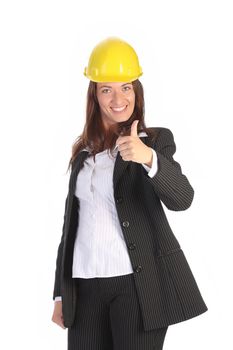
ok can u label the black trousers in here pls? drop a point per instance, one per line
(108, 317)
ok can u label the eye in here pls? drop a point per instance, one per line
(125, 87)
(105, 90)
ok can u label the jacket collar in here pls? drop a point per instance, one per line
(119, 166)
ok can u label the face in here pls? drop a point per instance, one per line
(116, 101)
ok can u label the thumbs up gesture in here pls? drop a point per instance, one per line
(132, 148)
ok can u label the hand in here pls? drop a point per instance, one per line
(57, 314)
(132, 148)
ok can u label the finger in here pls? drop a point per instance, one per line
(61, 323)
(123, 139)
(134, 126)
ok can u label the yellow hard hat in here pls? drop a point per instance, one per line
(113, 60)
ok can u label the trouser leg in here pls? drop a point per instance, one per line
(91, 329)
(108, 317)
(125, 317)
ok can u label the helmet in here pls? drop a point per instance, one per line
(113, 60)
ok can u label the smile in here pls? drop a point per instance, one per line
(119, 109)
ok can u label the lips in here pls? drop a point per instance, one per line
(119, 109)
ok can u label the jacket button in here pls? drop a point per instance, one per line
(138, 268)
(125, 223)
(131, 246)
(119, 199)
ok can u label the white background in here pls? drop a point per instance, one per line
(185, 50)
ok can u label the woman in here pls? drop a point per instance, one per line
(121, 275)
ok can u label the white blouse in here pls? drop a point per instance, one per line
(100, 249)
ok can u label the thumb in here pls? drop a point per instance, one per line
(134, 128)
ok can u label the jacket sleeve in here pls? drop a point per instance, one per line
(153, 169)
(57, 283)
(169, 183)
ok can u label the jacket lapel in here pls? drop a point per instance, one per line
(76, 167)
(119, 168)
(121, 165)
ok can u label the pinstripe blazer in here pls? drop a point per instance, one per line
(167, 290)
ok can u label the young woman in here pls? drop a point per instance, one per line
(121, 275)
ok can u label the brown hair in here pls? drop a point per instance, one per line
(94, 135)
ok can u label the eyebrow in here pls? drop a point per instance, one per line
(111, 86)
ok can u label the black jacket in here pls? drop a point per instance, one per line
(166, 288)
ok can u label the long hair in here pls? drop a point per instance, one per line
(94, 135)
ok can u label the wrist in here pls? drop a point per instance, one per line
(150, 157)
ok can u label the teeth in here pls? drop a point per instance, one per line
(119, 109)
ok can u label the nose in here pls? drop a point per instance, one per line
(118, 99)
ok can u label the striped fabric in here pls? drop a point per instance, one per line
(109, 317)
(166, 288)
(99, 248)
